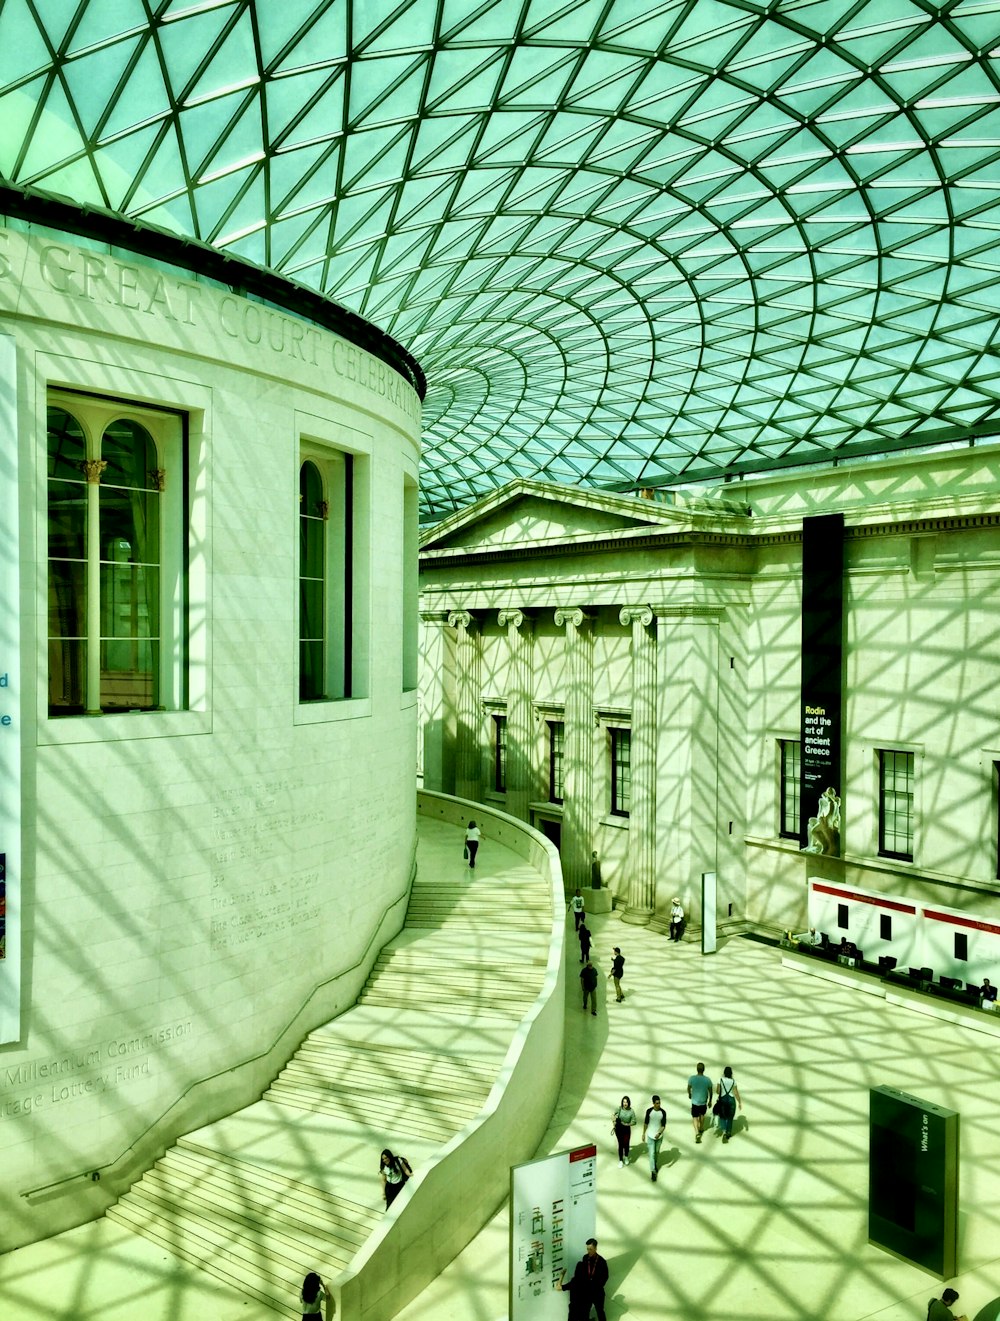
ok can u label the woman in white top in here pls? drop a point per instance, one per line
(729, 1098)
(472, 837)
(313, 1296)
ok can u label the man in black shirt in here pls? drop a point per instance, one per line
(588, 980)
(586, 1288)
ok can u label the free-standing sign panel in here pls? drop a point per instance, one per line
(553, 1211)
(913, 1180)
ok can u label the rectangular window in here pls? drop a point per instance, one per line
(842, 921)
(411, 538)
(333, 574)
(961, 947)
(117, 557)
(621, 771)
(557, 743)
(500, 754)
(791, 764)
(884, 927)
(895, 804)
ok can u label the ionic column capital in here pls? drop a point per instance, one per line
(636, 614)
(512, 615)
(570, 615)
(460, 619)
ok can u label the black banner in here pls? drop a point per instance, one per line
(822, 677)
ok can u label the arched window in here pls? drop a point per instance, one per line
(312, 584)
(105, 549)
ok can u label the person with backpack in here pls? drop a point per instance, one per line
(728, 1098)
(395, 1170)
(939, 1309)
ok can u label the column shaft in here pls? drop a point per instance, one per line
(578, 764)
(642, 808)
(519, 727)
(468, 734)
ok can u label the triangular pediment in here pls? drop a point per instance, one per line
(524, 512)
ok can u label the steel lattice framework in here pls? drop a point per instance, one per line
(630, 242)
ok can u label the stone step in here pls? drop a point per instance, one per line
(281, 1235)
(385, 1000)
(324, 1204)
(372, 1092)
(432, 987)
(219, 1253)
(345, 1222)
(399, 1061)
(316, 1102)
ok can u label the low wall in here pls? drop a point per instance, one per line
(448, 1202)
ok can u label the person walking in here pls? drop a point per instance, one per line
(312, 1297)
(729, 1098)
(615, 975)
(584, 934)
(699, 1092)
(624, 1121)
(395, 1170)
(472, 837)
(588, 980)
(676, 919)
(576, 908)
(653, 1127)
(586, 1288)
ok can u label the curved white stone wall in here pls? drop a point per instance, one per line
(190, 890)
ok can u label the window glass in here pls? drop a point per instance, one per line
(106, 593)
(791, 758)
(312, 585)
(896, 804)
(557, 743)
(621, 771)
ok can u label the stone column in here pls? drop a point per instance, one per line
(578, 749)
(468, 685)
(438, 701)
(519, 725)
(92, 471)
(688, 752)
(642, 807)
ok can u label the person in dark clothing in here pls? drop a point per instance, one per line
(588, 980)
(586, 1288)
(617, 968)
(584, 934)
(940, 1309)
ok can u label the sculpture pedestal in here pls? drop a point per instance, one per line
(597, 901)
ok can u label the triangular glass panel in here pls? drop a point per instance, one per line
(323, 41)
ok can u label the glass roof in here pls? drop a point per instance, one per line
(629, 241)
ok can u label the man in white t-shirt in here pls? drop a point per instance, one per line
(576, 908)
(653, 1127)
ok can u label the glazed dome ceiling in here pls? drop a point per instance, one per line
(629, 242)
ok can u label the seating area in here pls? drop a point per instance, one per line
(922, 979)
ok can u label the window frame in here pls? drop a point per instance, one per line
(789, 781)
(557, 758)
(619, 738)
(905, 796)
(346, 481)
(499, 721)
(167, 428)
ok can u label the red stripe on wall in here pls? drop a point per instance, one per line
(956, 921)
(865, 898)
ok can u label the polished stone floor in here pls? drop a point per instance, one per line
(772, 1226)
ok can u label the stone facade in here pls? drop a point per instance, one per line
(678, 620)
(189, 889)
